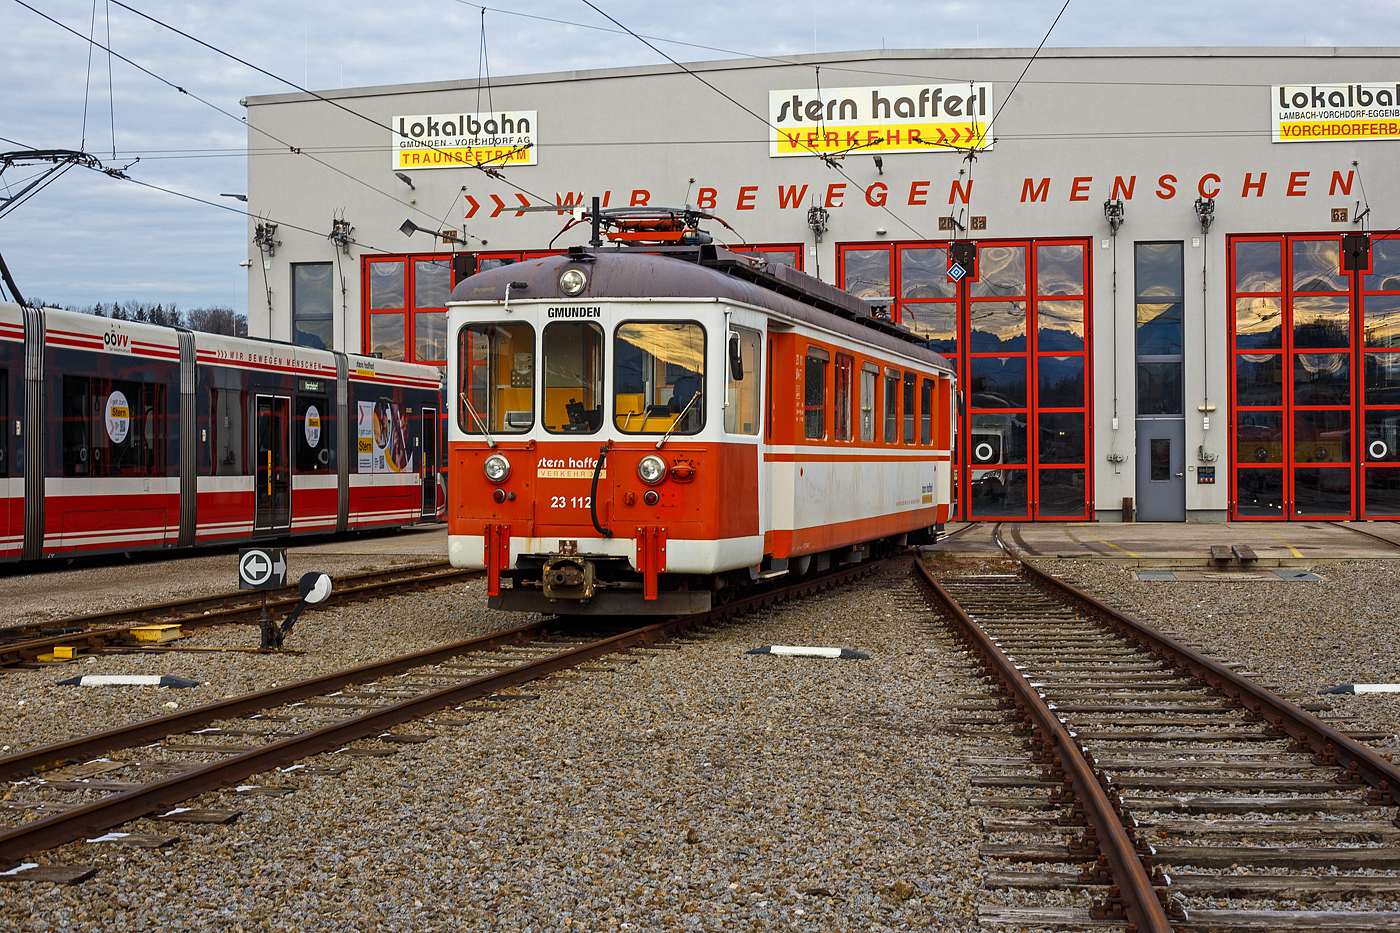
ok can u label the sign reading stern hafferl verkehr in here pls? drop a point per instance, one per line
(1322, 113)
(872, 120)
(458, 140)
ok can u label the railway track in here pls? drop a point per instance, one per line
(21, 645)
(1160, 790)
(190, 752)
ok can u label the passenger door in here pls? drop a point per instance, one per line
(428, 468)
(272, 495)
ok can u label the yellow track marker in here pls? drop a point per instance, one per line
(1112, 545)
(1293, 550)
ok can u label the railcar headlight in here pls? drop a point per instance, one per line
(497, 468)
(652, 470)
(572, 281)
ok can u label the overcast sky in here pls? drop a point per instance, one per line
(88, 237)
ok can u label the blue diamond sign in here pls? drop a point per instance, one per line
(956, 272)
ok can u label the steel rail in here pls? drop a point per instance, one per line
(115, 809)
(1132, 883)
(228, 608)
(1328, 745)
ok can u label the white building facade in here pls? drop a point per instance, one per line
(1182, 293)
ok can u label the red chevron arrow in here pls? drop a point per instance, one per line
(524, 202)
(942, 136)
(956, 135)
(500, 205)
(475, 206)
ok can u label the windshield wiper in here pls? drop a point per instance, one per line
(490, 441)
(677, 423)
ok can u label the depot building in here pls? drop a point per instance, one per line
(1178, 295)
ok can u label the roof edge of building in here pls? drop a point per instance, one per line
(830, 58)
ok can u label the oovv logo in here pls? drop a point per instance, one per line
(115, 341)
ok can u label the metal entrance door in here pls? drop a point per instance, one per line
(428, 470)
(1161, 470)
(272, 497)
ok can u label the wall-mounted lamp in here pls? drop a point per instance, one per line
(405, 179)
(409, 228)
(1205, 213)
(1113, 213)
(236, 197)
(880, 164)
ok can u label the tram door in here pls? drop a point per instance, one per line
(273, 493)
(429, 468)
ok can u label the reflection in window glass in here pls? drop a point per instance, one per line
(1258, 266)
(1059, 269)
(869, 376)
(935, 321)
(1321, 491)
(1059, 326)
(814, 396)
(1259, 437)
(1001, 272)
(430, 337)
(1061, 492)
(1061, 437)
(1383, 491)
(1380, 322)
(312, 304)
(1259, 323)
(867, 272)
(1157, 270)
(923, 273)
(1321, 322)
(386, 336)
(1258, 379)
(998, 326)
(1259, 492)
(432, 283)
(998, 382)
(573, 377)
(741, 415)
(998, 493)
(1382, 437)
(1382, 378)
(1061, 381)
(891, 406)
(386, 285)
(1321, 379)
(1385, 266)
(226, 432)
(1159, 329)
(496, 369)
(787, 257)
(926, 412)
(1317, 266)
(1159, 389)
(660, 377)
(1322, 437)
(317, 334)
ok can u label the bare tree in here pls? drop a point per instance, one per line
(217, 320)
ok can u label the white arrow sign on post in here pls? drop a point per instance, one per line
(262, 568)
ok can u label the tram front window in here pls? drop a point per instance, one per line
(496, 369)
(660, 381)
(573, 377)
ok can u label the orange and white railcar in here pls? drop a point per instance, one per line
(647, 433)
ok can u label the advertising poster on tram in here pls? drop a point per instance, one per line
(383, 439)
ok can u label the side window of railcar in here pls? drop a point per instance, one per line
(659, 377)
(4, 422)
(496, 373)
(926, 412)
(113, 428)
(573, 377)
(741, 409)
(814, 393)
(869, 378)
(841, 402)
(910, 410)
(227, 431)
(891, 406)
(313, 433)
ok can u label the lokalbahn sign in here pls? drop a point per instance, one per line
(460, 140)
(897, 118)
(1316, 113)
